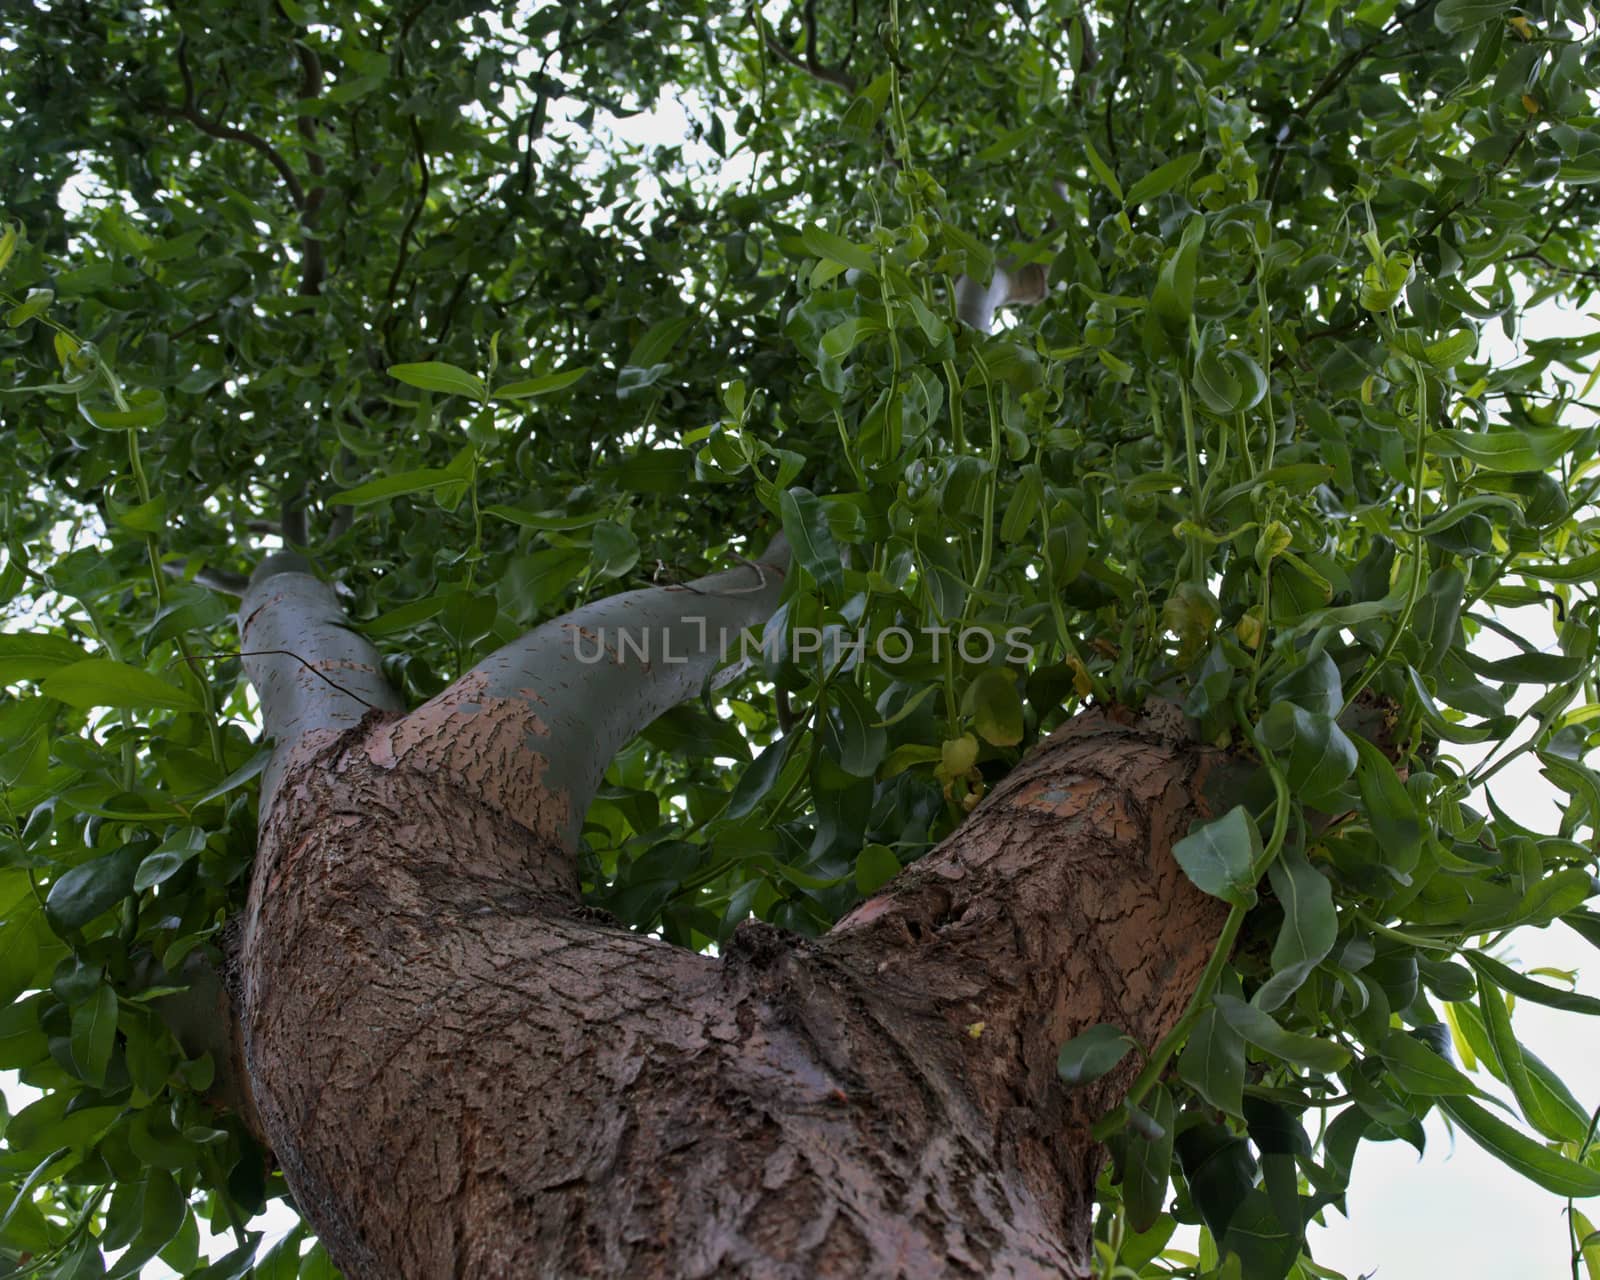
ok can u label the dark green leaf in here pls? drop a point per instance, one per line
(436, 375)
(1260, 1029)
(805, 524)
(100, 682)
(1219, 856)
(1090, 1054)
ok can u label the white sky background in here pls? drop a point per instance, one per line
(1457, 1211)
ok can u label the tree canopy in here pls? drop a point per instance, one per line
(390, 285)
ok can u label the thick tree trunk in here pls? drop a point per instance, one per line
(462, 1074)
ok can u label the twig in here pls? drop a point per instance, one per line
(1337, 76)
(229, 584)
(213, 129)
(1532, 255)
(810, 63)
(313, 267)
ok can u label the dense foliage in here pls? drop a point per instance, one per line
(389, 282)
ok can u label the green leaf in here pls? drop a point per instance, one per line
(852, 738)
(32, 655)
(100, 682)
(1534, 449)
(1552, 896)
(1102, 170)
(528, 388)
(421, 481)
(1450, 351)
(436, 375)
(1513, 1068)
(614, 551)
(828, 244)
(405, 617)
(163, 1209)
(166, 860)
(1024, 504)
(1389, 810)
(1090, 1054)
(1526, 988)
(876, 865)
(94, 1034)
(1147, 1164)
(546, 521)
(83, 892)
(759, 777)
(1220, 1171)
(1451, 16)
(1310, 925)
(1530, 668)
(1318, 755)
(1212, 1062)
(146, 407)
(36, 303)
(1532, 1159)
(1172, 303)
(1261, 1030)
(1219, 856)
(1419, 1070)
(49, 1164)
(249, 769)
(1161, 180)
(805, 524)
(652, 471)
(1383, 282)
(995, 705)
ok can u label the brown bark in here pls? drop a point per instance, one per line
(463, 1075)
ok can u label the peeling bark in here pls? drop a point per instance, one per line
(464, 1074)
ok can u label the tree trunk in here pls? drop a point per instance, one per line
(464, 1074)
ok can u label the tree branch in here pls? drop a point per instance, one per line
(229, 584)
(228, 132)
(1333, 79)
(809, 64)
(313, 266)
(291, 631)
(532, 728)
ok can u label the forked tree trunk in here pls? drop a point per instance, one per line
(464, 1074)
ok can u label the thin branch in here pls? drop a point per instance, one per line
(404, 251)
(809, 64)
(213, 129)
(1337, 76)
(1583, 273)
(813, 64)
(314, 258)
(229, 584)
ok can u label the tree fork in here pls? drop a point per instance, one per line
(464, 1074)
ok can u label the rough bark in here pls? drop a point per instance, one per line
(462, 1074)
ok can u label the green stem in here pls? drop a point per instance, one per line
(1266, 355)
(1194, 552)
(986, 542)
(1419, 550)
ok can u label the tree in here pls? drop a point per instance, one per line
(1081, 852)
